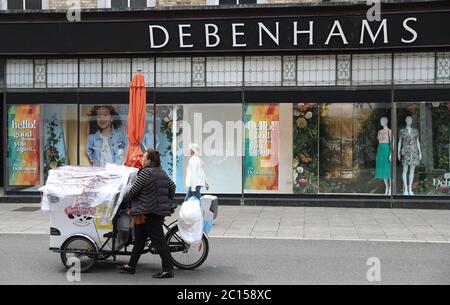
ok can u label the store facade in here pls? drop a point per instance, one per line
(290, 105)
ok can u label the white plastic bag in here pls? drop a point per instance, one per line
(208, 205)
(190, 221)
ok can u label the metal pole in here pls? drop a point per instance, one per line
(154, 103)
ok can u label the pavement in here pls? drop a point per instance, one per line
(25, 259)
(298, 223)
(259, 245)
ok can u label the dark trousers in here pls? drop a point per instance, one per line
(153, 228)
(190, 193)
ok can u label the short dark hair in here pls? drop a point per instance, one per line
(154, 157)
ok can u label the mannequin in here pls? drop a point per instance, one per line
(384, 156)
(409, 153)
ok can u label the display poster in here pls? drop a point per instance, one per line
(261, 147)
(24, 145)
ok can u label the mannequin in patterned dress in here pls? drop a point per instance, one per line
(409, 153)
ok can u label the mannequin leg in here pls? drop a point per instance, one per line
(405, 179)
(411, 179)
(387, 185)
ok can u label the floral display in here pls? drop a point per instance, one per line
(305, 163)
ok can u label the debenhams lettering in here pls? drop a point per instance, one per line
(294, 34)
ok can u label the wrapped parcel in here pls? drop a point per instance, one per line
(88, 191)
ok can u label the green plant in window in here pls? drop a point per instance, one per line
(52, 154)
(305, 155)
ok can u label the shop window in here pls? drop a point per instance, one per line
(173, 72)
(268, 153)
(305, 148)
(62, 73)
(355, 148)
(423, 135)
(316, 70)
(24, 4)
(2, 73)
(372, 69)
(40, 137)
(224, 71)
(218, 130)
(15, 5)
(19, 73)
(147, 66)
(236, 2)
(414, 68)
(128, 3)
(116, 72)
(263, 71)
(33, 4)
(102, 134)
(90, 72)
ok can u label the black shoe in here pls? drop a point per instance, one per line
(163, 275)
(127, 269)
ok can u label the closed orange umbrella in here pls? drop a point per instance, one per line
(136, 121)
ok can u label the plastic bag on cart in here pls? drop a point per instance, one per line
(190, 221)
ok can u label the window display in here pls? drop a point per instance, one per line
(107, 141)
(278, 148)
(218, 130)
(339, 148)
(305, 148)
(423, 149)
(40, 137)
(350, 144)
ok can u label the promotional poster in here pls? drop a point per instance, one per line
(24, 145)
(261, 146)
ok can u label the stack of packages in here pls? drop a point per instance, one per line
(87, 188)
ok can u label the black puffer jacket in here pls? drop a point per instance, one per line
(151, 193)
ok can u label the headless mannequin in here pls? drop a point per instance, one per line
(387, 182)
(407, 183)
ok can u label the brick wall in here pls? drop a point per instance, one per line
(61, 4)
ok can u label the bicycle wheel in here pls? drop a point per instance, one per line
(185, 256)
(80, 249)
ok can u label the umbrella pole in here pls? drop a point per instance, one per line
(154, 120)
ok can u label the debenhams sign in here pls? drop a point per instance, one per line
(285, 33)
(289, 33)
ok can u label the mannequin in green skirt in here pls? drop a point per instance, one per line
(384, 156)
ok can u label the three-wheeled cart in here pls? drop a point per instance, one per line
(87, 223)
